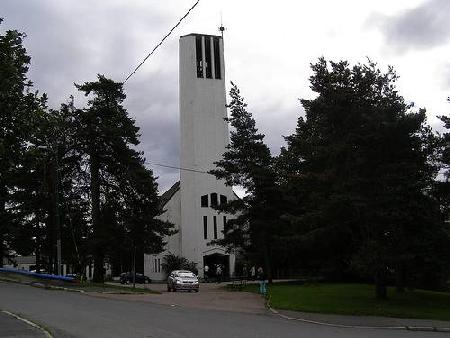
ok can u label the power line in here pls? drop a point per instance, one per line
(161, 42)
(174, 167)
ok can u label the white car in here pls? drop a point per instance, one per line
(182, 280)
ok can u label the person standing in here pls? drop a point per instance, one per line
(206, 273)
(219, 273)
(244, 272)
(253, 272)
(262, 281)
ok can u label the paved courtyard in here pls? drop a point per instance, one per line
(211, 296)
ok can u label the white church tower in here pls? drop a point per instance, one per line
(204, 137)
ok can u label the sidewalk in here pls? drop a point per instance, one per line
(365, 321)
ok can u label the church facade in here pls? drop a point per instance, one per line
(190, 203)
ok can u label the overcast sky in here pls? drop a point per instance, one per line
(269, 46)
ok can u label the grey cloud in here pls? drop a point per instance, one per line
(446, 78)
(73, 41)
(153, 102)
(422, 27)
(275, 123)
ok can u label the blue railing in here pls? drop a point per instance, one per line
(38, 275)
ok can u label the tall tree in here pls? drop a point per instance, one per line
(248, 163)
(17, 108)
(360, 167)
(122, 191)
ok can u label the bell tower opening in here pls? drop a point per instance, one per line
(207, 57)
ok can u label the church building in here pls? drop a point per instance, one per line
(189, 203)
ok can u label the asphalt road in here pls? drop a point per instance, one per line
(69, 314)
(12, 327)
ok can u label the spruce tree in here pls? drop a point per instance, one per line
(248, 163)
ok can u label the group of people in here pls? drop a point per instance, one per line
(218, 272)
(254, 274)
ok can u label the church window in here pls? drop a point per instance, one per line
(204, 201)
(159, 264)
(223, 199)
(208, 57)
(217, 70)
(199, 56)
(213, 199)
(215, 226)
(224, 222)
(205, 227)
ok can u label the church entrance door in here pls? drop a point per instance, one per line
(213, 261)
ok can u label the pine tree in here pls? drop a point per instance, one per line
(18, 105)
(358, 170)
(248, 163)
(119, 181)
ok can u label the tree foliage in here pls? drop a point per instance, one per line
(248, 163)
(123, 193)
(361, 166)
(172, 262)
(18, 108)
(72, 171)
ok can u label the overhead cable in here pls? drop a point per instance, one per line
(174, 167)
(161, 42)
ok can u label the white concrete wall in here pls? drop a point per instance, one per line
(173, 215)
(204, 136)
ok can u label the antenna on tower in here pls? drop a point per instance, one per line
(221, 28)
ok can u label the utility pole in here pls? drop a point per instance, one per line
(55, 153)
(57, 219)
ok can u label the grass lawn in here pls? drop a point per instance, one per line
(358, 299)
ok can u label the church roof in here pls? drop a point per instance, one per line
(164, 198)
(197, 34)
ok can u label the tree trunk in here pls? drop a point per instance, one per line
(400, 278)
(2, 249)
(3, 220)
(37, 249)
(380, 284)
(267, 263)
(96, 224)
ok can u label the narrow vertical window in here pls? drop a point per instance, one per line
(224, 223)
(198, 52)
(208, 57)
(159, 265)
(205, 227)
(223, 199)
(204, 201)
(154, 266)
(217, 72)
(215, 226)
(213, 199)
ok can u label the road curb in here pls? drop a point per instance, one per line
(53, 287)
(407, 328)
(28, 322)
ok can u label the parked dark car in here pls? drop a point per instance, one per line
(127, 277)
